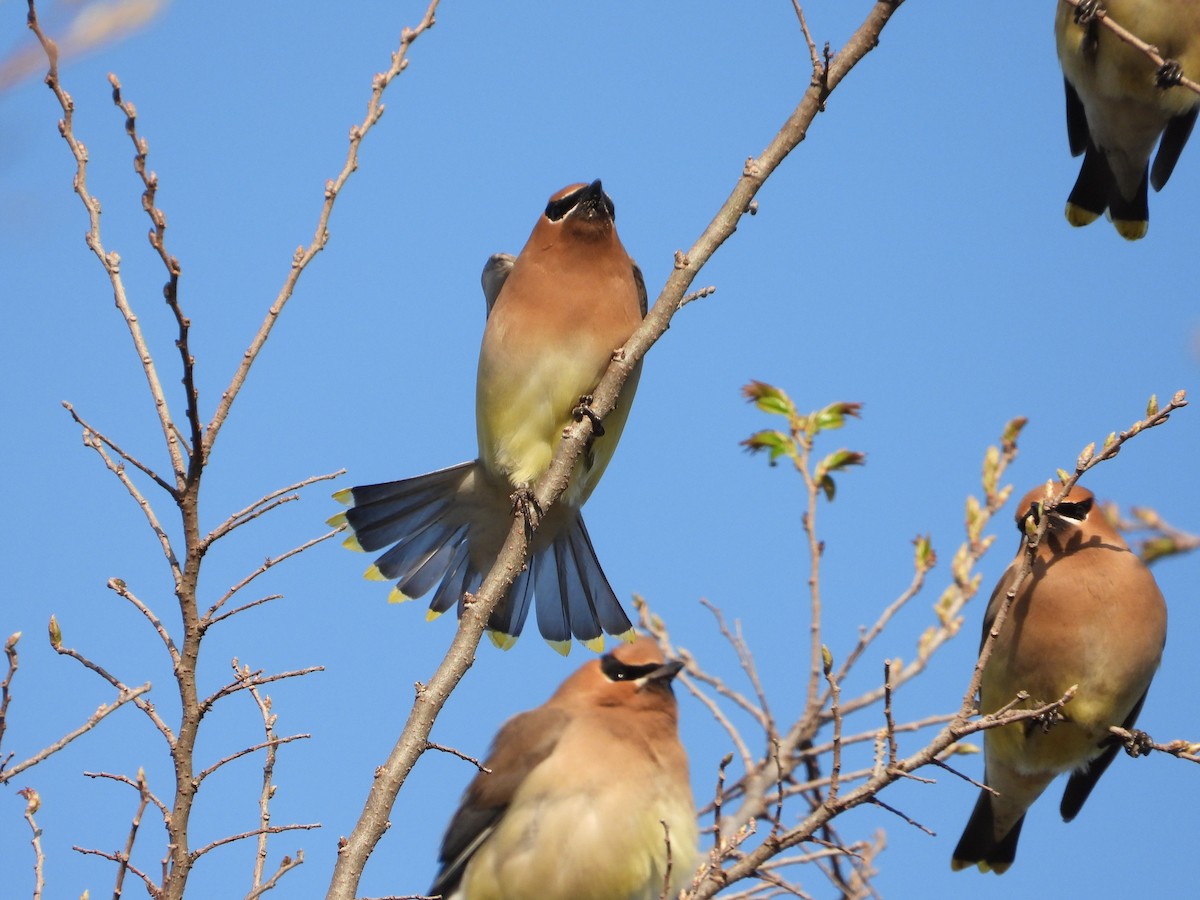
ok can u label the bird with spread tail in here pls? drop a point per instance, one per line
(1088, 614)
(556, 314)
(1118, 104)
(584, 798)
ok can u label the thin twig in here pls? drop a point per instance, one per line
(835, 713)
(171, 289)
(304, 255)
(151, 888)
(135, 693)
(463, 756)
(262, 745)
(139, 787)
(144, 796)
(267, 790)
(93, 440)
(126, 695)
(111, 261)
(33, 803)
(253, 680)
(210, 618)
(1138, 743)
(233, 838)
(255, 509)
(285, 865)
(121, 589)
(10, 651)
(758, 711)
(129, 458)
(887, 713)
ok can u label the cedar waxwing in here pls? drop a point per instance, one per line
(1089, 614)
(1116, 109)
(577, 794)
(556, 315)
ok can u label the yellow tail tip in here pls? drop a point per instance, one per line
(627, 637)
(1131, 229)
(560, 647)
(1078, 216)
(373, 574)
(596, 644)
(398, 596)
(337, 521)
(957, 865)
(502, 640)
(351, 543)
(344, 496)
(431, 614)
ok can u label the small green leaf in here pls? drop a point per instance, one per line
(1013, 430)
(1157, 548)
(827, 485)
(768, 398)
(775, 443)
(841, 459)
(834, 415)
(925, 557)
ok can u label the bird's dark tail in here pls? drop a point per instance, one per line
(1096, 190)
(439, 529)
(978, 845)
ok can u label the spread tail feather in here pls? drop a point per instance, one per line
(428, 525)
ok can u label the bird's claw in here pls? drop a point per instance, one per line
(525, 504)
(1046, 720)
(584, 410)
(1087, 10)
(1138, 743)
(1169, 74)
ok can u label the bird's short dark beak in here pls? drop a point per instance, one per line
(663, 675)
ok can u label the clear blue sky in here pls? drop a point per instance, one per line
(911, 254)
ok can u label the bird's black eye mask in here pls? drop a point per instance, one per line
(615, 670)
(558, 209)
(1075, 511)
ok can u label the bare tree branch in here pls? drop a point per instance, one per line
(211, 618)
(304, 255)
(103, 711)
(33, 803)
(265, 504)
(111, 261)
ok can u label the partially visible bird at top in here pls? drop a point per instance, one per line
(556, 314)
(1088, 614)
(1119, 104)
(584, 798)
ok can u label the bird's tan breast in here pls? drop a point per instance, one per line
(588, 826)
(1094, 618)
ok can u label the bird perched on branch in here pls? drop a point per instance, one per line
(1118, 104)
(585, 798)
(1088, 614)
(557, 313)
